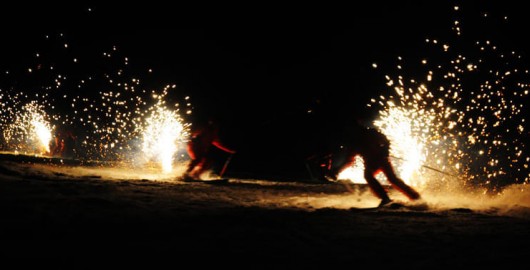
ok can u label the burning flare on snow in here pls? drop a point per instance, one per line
(162, 134)
(30, 130)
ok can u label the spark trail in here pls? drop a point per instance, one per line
(461, 110)
(100, 97)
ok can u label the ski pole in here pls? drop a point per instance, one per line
(428, 167)
(225, 165)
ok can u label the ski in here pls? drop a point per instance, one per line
(208, 181)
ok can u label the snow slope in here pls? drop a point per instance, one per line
(91, 214)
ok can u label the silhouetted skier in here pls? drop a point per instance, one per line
(373, 147)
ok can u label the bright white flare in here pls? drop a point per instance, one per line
(42, 131)
(162, 131)
(408, 133)
(29, 131)
(355, 173)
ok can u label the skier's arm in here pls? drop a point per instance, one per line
(221, 146)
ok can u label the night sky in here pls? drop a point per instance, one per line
(250, 62)
(258, 68)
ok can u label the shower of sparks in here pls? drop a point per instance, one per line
(109, 109)
(162, 134)
(411, 129)
(464, 116)
(26, 129)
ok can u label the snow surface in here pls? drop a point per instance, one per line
(91, 214)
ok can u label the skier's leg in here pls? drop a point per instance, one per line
(376, 187)
(397, 182)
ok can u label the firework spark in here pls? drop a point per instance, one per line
(108, 109)
(162, 134)
(27, 129)
(463, 117)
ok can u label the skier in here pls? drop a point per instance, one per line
(204, 137)
(63, 144)
(373, 147)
